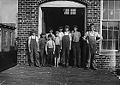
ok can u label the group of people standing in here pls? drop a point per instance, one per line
(54, 50)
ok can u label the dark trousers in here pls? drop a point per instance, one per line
(34, 57)
(65, 55)
(57, 51)
(92, 52)
(76, 53)
(42, 57)
(50, 57)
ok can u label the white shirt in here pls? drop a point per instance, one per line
(61, 34)
(33, 37)
(95, 34)
(57, 41)
(50, 44)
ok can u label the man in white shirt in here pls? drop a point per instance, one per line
(61, 34)
(76, 47)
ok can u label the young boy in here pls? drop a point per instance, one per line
(57, 50)
(42, 43)
(50, 50)
(33, 46)
(66, 46)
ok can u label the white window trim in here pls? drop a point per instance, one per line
(101, 20)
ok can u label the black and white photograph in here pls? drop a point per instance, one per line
(59, 42)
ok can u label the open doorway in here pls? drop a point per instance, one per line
(60, 13)
(54, 17)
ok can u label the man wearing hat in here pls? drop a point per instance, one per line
(33, 46)
(92, 38)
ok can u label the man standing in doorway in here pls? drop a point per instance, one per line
(76, 47)
(61, 34)
(66, 46)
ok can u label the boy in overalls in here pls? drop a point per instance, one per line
(50, 50)
(33, 46)
(66, 46)
(91, 37)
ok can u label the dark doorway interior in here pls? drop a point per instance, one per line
(54, 17)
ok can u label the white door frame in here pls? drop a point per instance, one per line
(57, 4)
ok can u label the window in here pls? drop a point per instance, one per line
(111, 24)
(6, 38)
(66, 11)
(0, 39)
(70, 11)
(11, 38)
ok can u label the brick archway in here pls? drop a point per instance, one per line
(59, 4)
(85, 2)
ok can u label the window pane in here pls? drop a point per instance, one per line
(111, 4)
(110, 25)
(105, 4)
(110, 34)
(116, 25)
(115, 45)
(115, 34)
(104, 44)
(104, 25)
(116, 14)
(105, 14)
(111, 14)
(117, 4)
(119, 14)
(109, 44)
(104, 34)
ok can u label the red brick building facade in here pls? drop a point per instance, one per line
(28, 18)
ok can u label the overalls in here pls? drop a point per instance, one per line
(34, 55)
(92, 50)
(65, 49)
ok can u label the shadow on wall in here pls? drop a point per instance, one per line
(7, 60)
(118, 72)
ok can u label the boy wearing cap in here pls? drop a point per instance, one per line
(66, 46)
(33, 46)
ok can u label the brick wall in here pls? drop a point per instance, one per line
(28, 19)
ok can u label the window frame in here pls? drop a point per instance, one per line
(107, 20)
